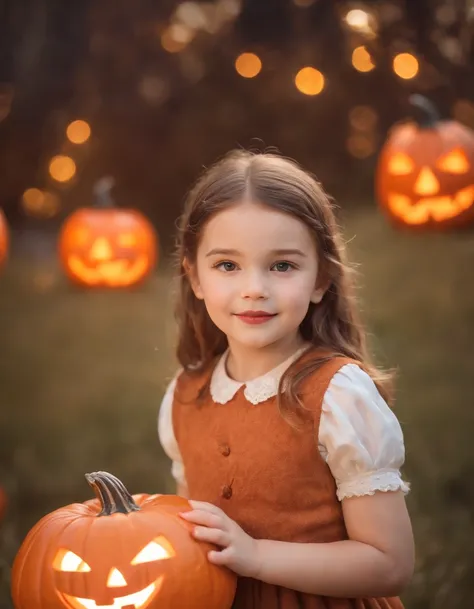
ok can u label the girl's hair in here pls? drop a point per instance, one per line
(332, 325)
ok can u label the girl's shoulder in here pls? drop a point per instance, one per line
(317, 369)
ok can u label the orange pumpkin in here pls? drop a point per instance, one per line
(107, 247)
(3, 238)
(425, 174)
(118, 552)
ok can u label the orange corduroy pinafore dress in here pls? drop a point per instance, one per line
(267, 476)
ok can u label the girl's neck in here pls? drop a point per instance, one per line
(244, 364)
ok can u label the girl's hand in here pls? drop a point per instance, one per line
(239, 551)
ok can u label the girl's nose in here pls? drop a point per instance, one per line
(254, 287)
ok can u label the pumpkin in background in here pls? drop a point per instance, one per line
(3, 238)
(118, 552)
(425, 174)
(107, 247)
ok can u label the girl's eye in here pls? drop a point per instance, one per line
(226, 266)
(283, 267)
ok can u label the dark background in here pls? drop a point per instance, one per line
(82, 372)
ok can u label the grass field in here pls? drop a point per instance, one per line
(82, 375)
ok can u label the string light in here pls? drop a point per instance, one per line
(309, 81)
(78, 132)
(361, 145)
(405, 65)
(62, 168)
(363, 118)
(361, 21)
(176, 37)
(41, 204)
(362, 60)
(248, 65)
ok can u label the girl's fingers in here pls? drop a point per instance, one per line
(219, 557)
(207, 507)
(207, 519)
(215, 536)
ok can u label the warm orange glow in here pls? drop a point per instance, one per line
(426, 183)
(176, 38)
(360, 145)
(62, 168)
(248, 65)
(362, 60)
(65, 560)
(357, 19)
(437, 208)
(400, 164)
(78, 132)
(159, 549)
(38, 203)
(309, 81)
(116, 579)
(454, 162)
(405, 65)
(363, 118)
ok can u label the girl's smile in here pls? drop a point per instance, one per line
(255, 317)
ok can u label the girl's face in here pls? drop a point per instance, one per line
(257, 272)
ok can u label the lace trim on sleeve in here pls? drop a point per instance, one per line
(368, 484)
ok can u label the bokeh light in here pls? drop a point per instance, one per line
(62, 168)
(405, 65)
(41, 204)
(309, 81)
(78, 132)
(248, 65)
(362, 60)
(176, 37)
(363, 118)
(361, 145)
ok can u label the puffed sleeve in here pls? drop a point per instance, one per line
(360, 437)
(166, 433)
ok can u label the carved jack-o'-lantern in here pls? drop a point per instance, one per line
(3, 238)
(425, 174)
(105, 246)
(118, 552)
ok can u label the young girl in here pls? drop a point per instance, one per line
(277, 425)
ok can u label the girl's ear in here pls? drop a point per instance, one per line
(192, 275)
(321, 287)
(318, 294)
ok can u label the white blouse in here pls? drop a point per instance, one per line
(359, 436)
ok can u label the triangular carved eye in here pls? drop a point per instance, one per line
(400, 164)
(65, 560)
(116, 579)
(454, 162)
(158, 549)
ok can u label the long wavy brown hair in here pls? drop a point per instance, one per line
(332, 326)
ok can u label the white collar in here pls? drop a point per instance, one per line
(223, 388)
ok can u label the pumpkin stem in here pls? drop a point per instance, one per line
(111, 493)
(428, 114)
(102, 189)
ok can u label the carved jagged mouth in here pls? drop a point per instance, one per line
(435, 208)
(114, 272)
(137, 600)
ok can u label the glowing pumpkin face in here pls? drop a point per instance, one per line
(3, 238)
(107, 247)
(425, 174)
(127, 583)
(118, 552)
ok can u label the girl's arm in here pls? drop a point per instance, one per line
(376, 560)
